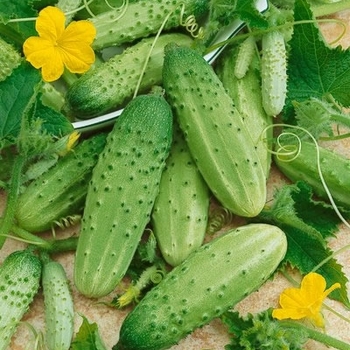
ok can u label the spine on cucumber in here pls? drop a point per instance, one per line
(124, 185)
(180, 213)
(114, 82)
(61, 190)
(210, 281)
(220, 143)
(143, 18)
(20, 275)
(304, 167)
(245, 92)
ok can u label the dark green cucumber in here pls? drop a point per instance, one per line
(19, 283)
(124, 185)
(143, 18)
(217, 137)
(303, 167)
(180, 213)
(113, 83)
(245, 92)
(61, 190)
(209, 282)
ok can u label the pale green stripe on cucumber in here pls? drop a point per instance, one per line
(217, 137)
(124, 185)
(180, 213)
(61, 190)
(114, 82)
(19, 283)
(143, 18)
(209, 282)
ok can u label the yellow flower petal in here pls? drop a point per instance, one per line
(37, 51)
(50, 23)
(78, 33)
(54, 68)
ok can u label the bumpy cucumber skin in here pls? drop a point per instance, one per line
(273, 72)
(215, 132)
(114, 82)
(245, 92)
(121, 194)
(210, 281)
(19, 282)
(334, 167)
(59, 310)
(141, 19)
(10, 59)
(180, 212)
(61, 190)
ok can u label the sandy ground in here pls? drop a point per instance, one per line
(213, 336)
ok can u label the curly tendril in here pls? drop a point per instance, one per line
(218, 218)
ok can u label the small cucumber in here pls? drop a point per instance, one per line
(217, 137)
(121, 194)
(111, 84)
(273, 72)
(61, 190)
(143, 18)
(10, 59)
(180, 213)
(59, 310)
(334, 167)
(19, 283)
(210, 281)
(246, 95)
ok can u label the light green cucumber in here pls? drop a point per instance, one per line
(19, 283)
(217, 137)
(114, 82)
(209, 282)
(124, 185)
(10, 59)
(143, 18)
(61, 190)
(304, 167)
(59, 309)
(180, 213)
(245, 92)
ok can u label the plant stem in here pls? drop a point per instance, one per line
(61, 245)
(30, 238)
(318, 336)
(10, 210)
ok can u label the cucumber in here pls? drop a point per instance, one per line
(19, 283)
(217, 137)
(61, 190)
(334, 167)
(59, 310)
(10, 59)
(180, 212)
(114, 82)
(210, 281)
(247, 97)
(143, 18)
(124, 185)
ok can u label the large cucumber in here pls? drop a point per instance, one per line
(210, 281)
(215, 131)
(121, 194)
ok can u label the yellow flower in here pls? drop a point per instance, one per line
(306, 301)
(57, 47)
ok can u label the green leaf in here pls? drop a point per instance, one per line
(88, 337)
(17, 95)
(307, 224)
(315, 69)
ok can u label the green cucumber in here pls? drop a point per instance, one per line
(61, 190)
(59, 310)
(304, 167)
(10, 59)
(143, 18)
(124, 185)
(180, 213)
(114, 82)
(209, 282)
(19, 283)
(245, 92)
(217, 137)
